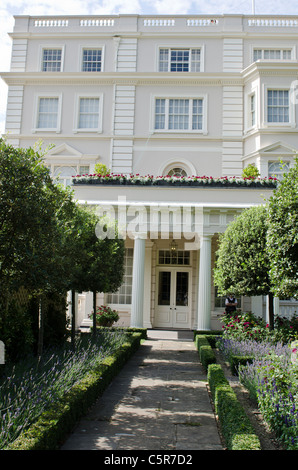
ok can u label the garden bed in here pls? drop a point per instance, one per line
(263, 370)
(57, 419)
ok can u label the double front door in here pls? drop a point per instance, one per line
(172, 307)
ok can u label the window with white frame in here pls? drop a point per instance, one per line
(88, 113)
(220, 300)
(278, 169)
(252, 120)
(64, 174)
(179, 60)
(48, 113)
(183, 114)
(123, 295)
(272, 54)
(92, 60)
(278, 106)
(52, 60)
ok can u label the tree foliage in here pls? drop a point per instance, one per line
(283, 236)
(48, 243)
(242, 264)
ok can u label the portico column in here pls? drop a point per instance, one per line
(204, 290)
(137, 302)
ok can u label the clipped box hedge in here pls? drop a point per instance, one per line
(237, 361)
(205, 351)
(236, 428)
(49, 431)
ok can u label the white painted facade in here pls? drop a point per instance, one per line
(150, 95)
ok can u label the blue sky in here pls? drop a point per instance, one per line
(9, 8)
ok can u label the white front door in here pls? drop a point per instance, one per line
(173, 302)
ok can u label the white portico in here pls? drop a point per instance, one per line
(171, 238)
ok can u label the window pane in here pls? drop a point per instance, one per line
(197, 114)
(257, 54)
(277, 169)
(195, 60)
(89, 113)
(51, 60)
(179, 60)
(48, 113)
(163, 60)
(160, 117)
(64, 174)
(182, 289)
(92, 60)
(123, 295)
(164, 288)
(178, 114)
(278, 106)
(179, 257)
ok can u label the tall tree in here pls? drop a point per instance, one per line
(283, 235)
(242, 264)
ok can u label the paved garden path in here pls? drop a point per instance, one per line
(159, 401)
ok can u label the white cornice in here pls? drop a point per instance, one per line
(269, 67)
(128, 78)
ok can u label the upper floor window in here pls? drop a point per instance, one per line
(88, 115)
(253, 110)
(272, 54)
(179, 60)
(179, 114)
(48, 113)
(52, 60)
(92, 60)
(278, 106)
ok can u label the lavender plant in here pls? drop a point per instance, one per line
(272, 377)
(31, 388)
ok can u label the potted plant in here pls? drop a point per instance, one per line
(105, 316)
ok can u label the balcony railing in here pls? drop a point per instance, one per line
(140, 23)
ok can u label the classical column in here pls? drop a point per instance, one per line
(137, 301)
(147, 284)
(204, 290)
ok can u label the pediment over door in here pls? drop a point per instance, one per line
(64, 152)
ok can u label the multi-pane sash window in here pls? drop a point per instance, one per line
(252, 110)
(92, 60)
(278, 106)
(89, 113)
(179, 114)
(48, 113)
(272, 54)
(51, 60)
(179, 60)
(123, 295)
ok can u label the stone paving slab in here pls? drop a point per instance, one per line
(158, 401)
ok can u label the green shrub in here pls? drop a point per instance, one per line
(205, 351)
(207, 356)
(237, 361)
(236, 428)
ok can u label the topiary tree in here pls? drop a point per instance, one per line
(282, 237)
(250, 171)
(242, 264)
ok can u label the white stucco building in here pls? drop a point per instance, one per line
(182, 95)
